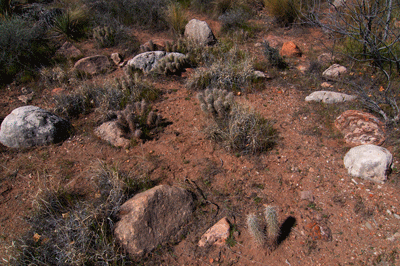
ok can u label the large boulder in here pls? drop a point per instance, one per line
(360, 128)
(30, 126)
(329, 97)
(148, 61)
(369, 162)
(93, 64)
(199, 32)
(152, 217)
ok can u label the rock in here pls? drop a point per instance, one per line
(319, 231)
(369, 162)
(110, 132)
(69, 50)
(93, 64)
(152, 217)
(30, 126)
(199, 32)
(334, 71)
(217, 234)
(360, 128)
(149, 60)
(393, 238)
(153, 45)
(325, 58)
(26, 98)
(259, 75)
(290, 49)
(326, 85)
(307, 195)
(329, 97)
(116, 58)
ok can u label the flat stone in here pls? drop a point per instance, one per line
(217, 234)
(334, 71)
(307, 195)
(329, 97)
(360, 128)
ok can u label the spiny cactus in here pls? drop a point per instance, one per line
(216, 102)
(272, 225)
(137, 118)
(171, 64)
(104, 36)
(179, 46)
(255, 229)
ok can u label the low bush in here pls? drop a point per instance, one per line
(285, 12)
(273, 56)
(236, 127)
(176, 17)
(74, 229)
(23, 47)
(73, 24)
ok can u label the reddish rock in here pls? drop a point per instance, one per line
(360, 128)
(217, 234)
(318, 231)
(290, 49)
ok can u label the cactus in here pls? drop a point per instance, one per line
(216, 102)
(272, 225)
(137, 118)
(171, 65)
(104, 36)
(256, 230)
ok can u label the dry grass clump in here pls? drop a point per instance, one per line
(229, 70)
(236, 127)
(72, 229)
(176, 17)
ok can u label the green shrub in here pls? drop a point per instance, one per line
(283, 11)
(22, 47)
(71, 25)
(236, 127)
(273, 56)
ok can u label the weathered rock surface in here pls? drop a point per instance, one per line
(290, 49)
(110, 132)
(217, 234)
(149, 61)
(334, 71)
(116, 58)
(30, 126)
(199, 32)
(69, 50)
(360, 128)
(152, 217)
(93, 64)
(369, 162)
(329, 97)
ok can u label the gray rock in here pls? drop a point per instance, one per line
(369, 162)
(110, 132)
(329, 97)
(69, 50)
(334, 71)
(26, 98)
(116, 58)
(93, 64)
(199, 32)
(30, 126)
(149, 61)
(152, 217)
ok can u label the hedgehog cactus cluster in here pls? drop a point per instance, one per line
(171, 64)
(137, 117)
(178, 46)
(216, 102)
(104, 36)
(261, 235)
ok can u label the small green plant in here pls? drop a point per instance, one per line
(71, 25)
(273, 56)
(176, 17)
(230, 241)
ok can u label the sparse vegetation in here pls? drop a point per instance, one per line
(273, 56)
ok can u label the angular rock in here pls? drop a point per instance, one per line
(290, 49)
(329, 97)
(30, 126)
(369, 162)
(334, 71)
(199, 32)
(26, 98)
(93, 64)
(325, 58)
(152, 217)
(217, 234)
(110, 132)
(149, 60)
(360, 128)
(116, 58)
(69, 50)
(319, 231)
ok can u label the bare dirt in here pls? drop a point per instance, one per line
(343, 221)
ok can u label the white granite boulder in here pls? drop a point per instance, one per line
(30, 126)
(199, 32)
(369, 162)
(329, 97)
